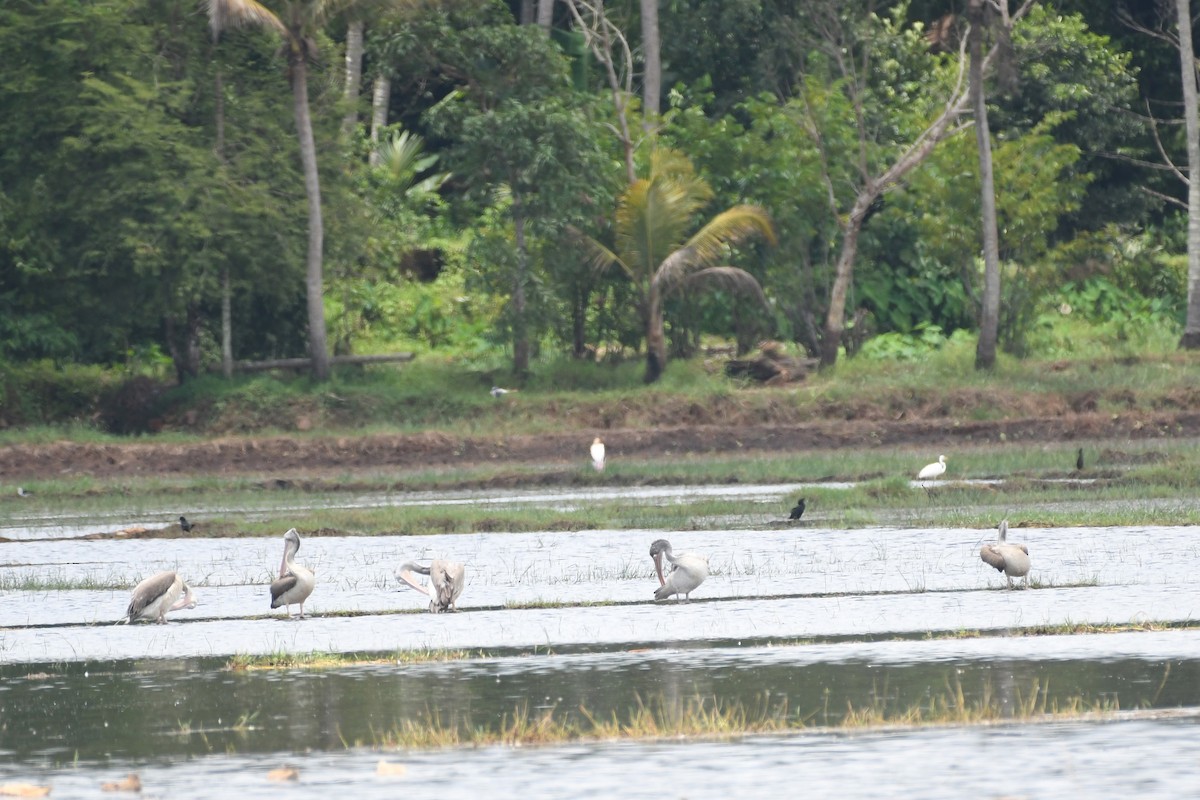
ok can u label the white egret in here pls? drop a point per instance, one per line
(930, 471)
(597, 452)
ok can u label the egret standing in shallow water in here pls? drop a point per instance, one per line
(931, 471)
(446, 579)
(597, 452)
(158, 594)
(295, 582)
(688, 571)
(1009, 558)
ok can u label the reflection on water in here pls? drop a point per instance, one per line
(97, 712)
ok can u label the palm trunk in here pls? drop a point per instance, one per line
(520, 326)
(1191, 330)
(226, 291)
(354, 59)
(545, 14)
(316, 231)
(379, 113)
(989, 320)
(652, 80)
(656, 340)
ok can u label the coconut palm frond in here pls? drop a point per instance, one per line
(600, 258)
(730, 227)
(225, 14)
(732, 278)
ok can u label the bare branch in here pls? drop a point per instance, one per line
(1165, 197)
(1162, 151)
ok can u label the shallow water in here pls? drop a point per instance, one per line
(808, 615)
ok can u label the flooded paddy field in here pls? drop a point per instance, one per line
(811, 626)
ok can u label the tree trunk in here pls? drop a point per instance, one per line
(520, 328)
(989, 320)
(314, 279)
(656, 342)
(579, 303)
(226, 291)
(354, 59)
(226, 324)
(1187, 62)
(652, 80)
(835, 320)
(545, 14)
(380, 98)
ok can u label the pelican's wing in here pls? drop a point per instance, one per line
(992, 556)
(147, 592)
(280, 586)
(407, 575)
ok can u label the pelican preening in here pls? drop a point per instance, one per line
(930, 471)
(446, 579)
(295, 582)
(688, 571)
(798, 511)
(1011, 559)
(157, 595)
(597, 452)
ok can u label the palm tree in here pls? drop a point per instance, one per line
(297, 23)
(653, 217)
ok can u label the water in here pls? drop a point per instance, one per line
(809, 620)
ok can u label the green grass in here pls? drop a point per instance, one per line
(329, 660)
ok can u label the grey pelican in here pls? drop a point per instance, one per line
(184, 525)
(1011, 559)
(798, 511)
(157, 595)
(295, 582)
(446, 579)
(688, 571)
(933, 470)
(597, 452)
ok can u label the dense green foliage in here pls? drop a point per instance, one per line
(127, 191)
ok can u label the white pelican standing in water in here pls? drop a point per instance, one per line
(597, 452)
(295, 582)
(930, 471)
(446, 579)
(157, 595)
(688, 571)
(1011, 559)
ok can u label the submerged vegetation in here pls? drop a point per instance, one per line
(660, 717)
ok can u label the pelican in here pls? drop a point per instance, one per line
(688, 571)
(798, 511)
(295, 582)
(1011, 559)
(933, 470)
(446, 580)
(158, 594)
(597, 454)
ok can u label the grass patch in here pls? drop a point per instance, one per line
(329, 660)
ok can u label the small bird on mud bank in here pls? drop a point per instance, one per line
(295, 582)
(597, 453)
(446, 580)
(157, 595)
(1010, 558)
(688, 571)
(1079, 460)
(184, 525)
(798, 511)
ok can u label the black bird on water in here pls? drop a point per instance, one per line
(798, 511)
(185, 525)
